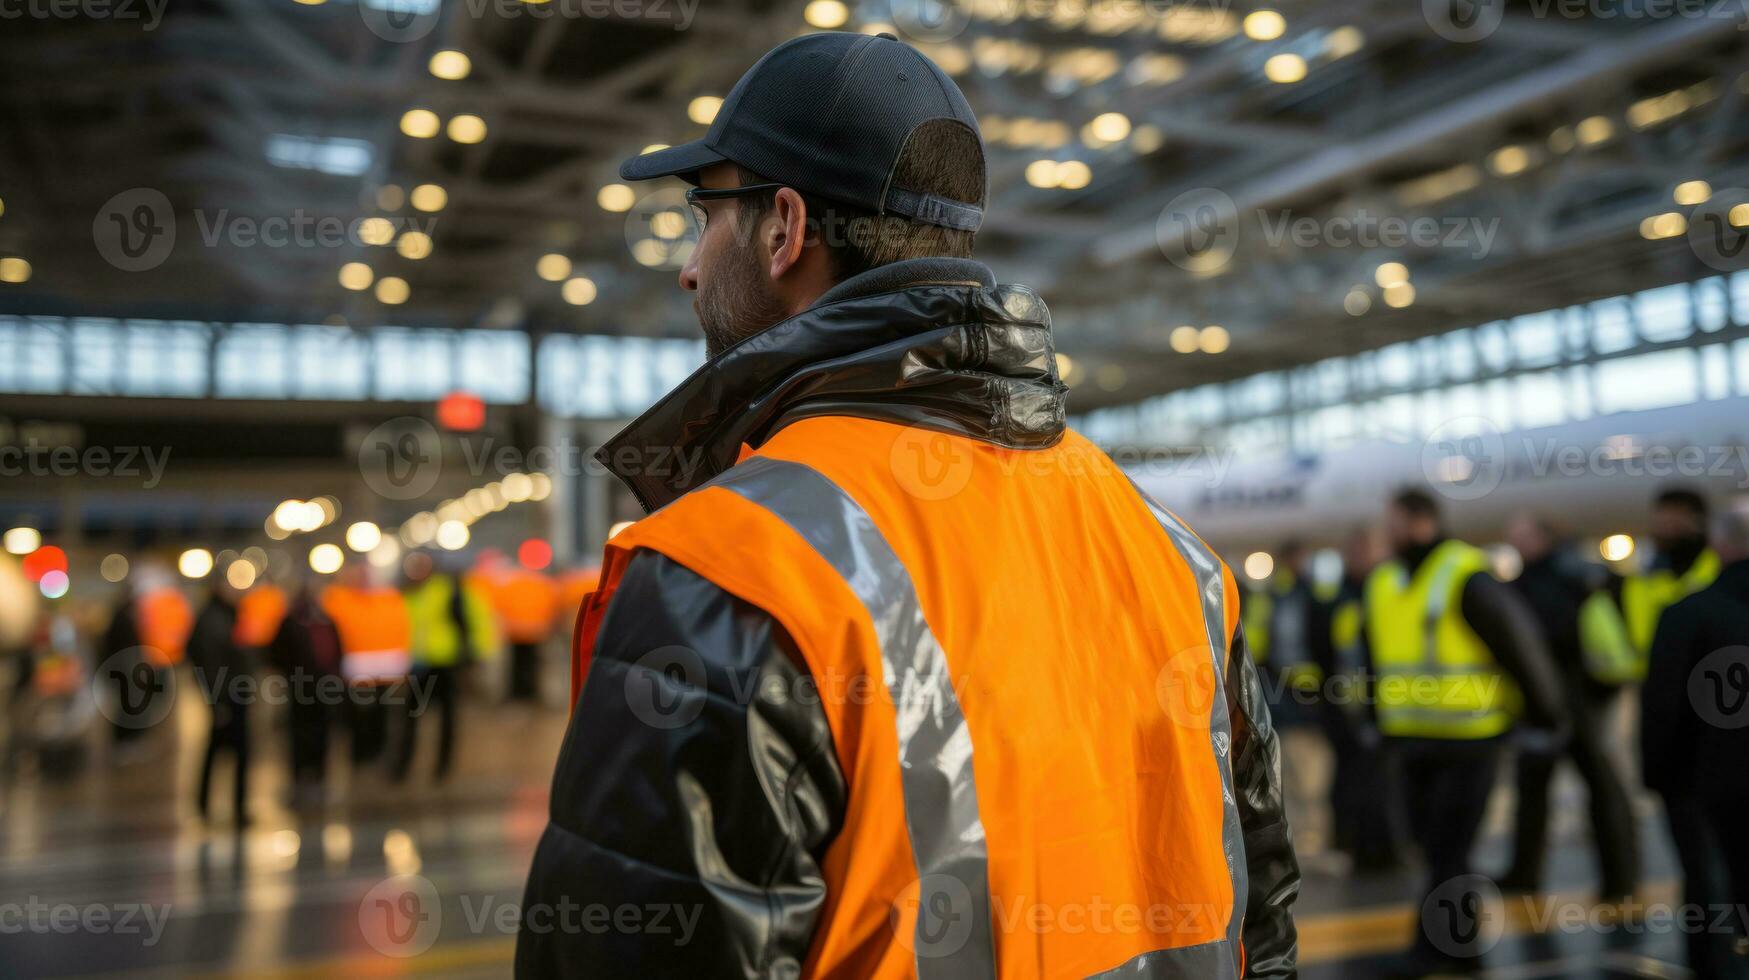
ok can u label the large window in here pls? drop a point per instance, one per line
(586, 376)
(1646, 350)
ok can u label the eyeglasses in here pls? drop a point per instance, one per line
(695, 197)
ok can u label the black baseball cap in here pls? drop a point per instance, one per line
(828, 114)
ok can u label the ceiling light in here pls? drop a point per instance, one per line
(1285, 68)
(1213, 339)
(553, 267)
(390, 197)
(467, 129)
(826, 14)
(376, 231)
(1264, 25)
(1593, 130)
(363, 536)
(703, 109)
(14, 270)
(356, 276)
(195, 563)
(1344, 41)
(1390, 274)
(420, 123)
(1073, 175)
(414, 245)
(326, 559)
(1184, 339)
(1112, 127)
(393, 290)
(23, 540)
(580, 291)
(617, 198)
(1399, 295)
(451, 65)
(1693, 192)
(429, 197)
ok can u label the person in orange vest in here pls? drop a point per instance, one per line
(527, 604)
(147, 635)
(900, 676)
(375, 653)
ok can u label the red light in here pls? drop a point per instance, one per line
(534, 554)
(44, 560)
(460, 411)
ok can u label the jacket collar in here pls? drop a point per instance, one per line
(927, 342)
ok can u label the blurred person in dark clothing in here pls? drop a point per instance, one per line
(1694, 738)
(1554, 585)
(1361, 788)
(1461, 665)
(219, 662)
(306, 649)
(122, 635)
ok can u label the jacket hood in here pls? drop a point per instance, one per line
(934, 343)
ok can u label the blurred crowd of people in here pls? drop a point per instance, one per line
(1428, 663)
(357, 658)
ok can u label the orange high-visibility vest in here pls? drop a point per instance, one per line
(259, 612)
(1022, 661)
(526, 602)
(164, 620)
(375, 632)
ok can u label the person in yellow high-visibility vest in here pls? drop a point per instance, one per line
(1616, 624)
(1361, 791)
(1459, 661)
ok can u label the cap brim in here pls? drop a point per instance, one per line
(687, 158)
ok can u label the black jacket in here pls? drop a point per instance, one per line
(723, 821)
(1694, 706)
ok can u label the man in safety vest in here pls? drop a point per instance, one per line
(900, 677)
(1616, 624)
(1458, 660)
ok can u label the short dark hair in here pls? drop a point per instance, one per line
(1684, 499)
(943, 157)
(1416, 503)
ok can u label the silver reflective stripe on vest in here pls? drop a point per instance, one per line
(1213, 959)
(1173, 963)
(953, 936)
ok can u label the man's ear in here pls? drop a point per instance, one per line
(787, 234)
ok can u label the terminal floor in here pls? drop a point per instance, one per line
(284, 896)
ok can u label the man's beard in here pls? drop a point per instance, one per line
(736, 301)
